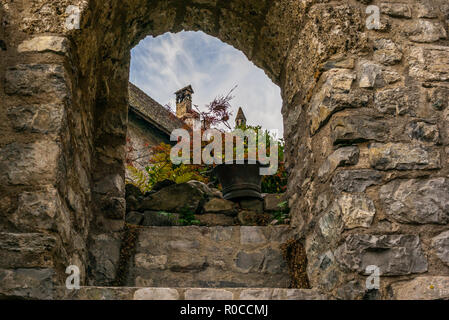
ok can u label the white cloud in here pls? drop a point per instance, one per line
(162, 65)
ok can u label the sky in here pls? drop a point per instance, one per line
(162, 65)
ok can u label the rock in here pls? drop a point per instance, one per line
(356, 128)
(27, 250)
(251, 218)
(256, 294)
(215, 219)
(402, 156)
(175, 198)
(355, 180)
(417, 201)
(265, 260)
(222, 206)
(162, 184)
(426, 10)
(255, 205)
(439, 98)
(184, 262)
(217, 193)
(44, 118)
(40, 210)
(353, 290)
(396, 10)
(387, 52)
(423, 131)
(134, 218)
(345, 156)
(251, 235)
(160, 218)
(272, 201)
(427, 31)
(132, 190)
(429, 64)
(249, 261)
(397, 101)
(156, 294)
(32, 79)
(29, 163)
(35, 284)
(202, 187)
(114, 207)
(208, 294)
(150, 262)
(334, 96)
(356, 210)
(440, 245)
(45, 43)
(393, 254)
(422, 288)
(372, 75)
(104, 253)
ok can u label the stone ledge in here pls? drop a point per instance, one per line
(135, 293)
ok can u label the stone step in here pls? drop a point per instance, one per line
(209, 257)
(133, 293)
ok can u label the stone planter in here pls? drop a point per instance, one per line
(239, 180)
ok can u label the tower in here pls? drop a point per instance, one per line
(184, 109)
(240, 119)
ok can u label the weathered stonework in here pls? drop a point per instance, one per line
(64, 101)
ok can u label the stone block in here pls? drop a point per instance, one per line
(255, 205)
(397, 101)
(148, 261)
(252, 235)
(440, 245)
(221, 206)
(387, 52)
(425, 31)
(396, 10)
(48, 118)
(54, 44)
(27, 283)
(356, 128)
(417, 201)
(355, 180)
(402, 156)
(174, 198)
(208, 294)
(214, 219)
(422, 288)
(429, 64)
(32, 79)
(27, 250)
(345, 156)
(392, 254)
(156, 294)
(30, 163)
(272, 201)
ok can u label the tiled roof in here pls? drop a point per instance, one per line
(151, 111)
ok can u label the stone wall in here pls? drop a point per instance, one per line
(365, 117)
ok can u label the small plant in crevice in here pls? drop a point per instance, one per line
(294, 254)
(282, 213)
(187, 218)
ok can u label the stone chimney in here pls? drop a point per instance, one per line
(240, 119)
